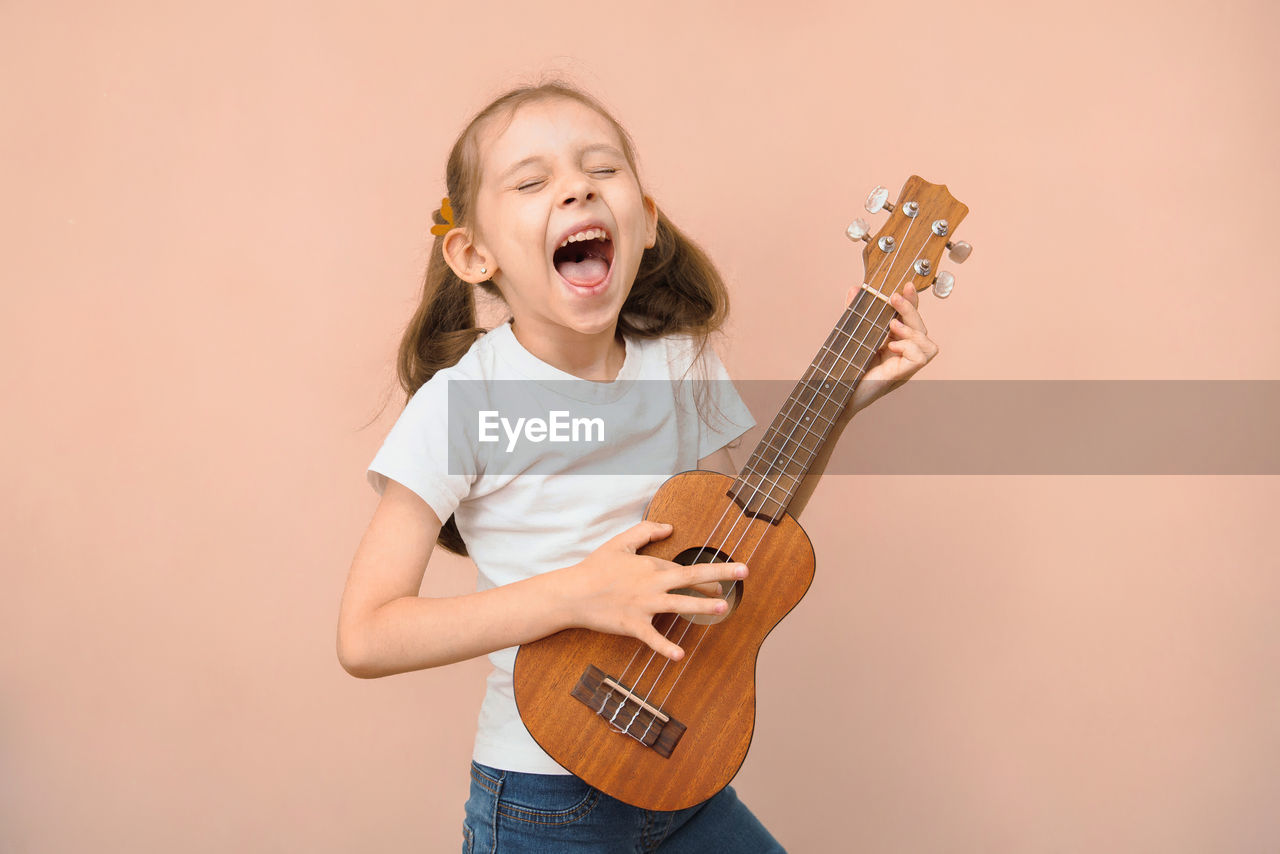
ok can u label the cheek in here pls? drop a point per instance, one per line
(521, 245)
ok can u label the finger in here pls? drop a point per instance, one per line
(909, 314)
(679, 575)
(641, 534)
(909, 350)
(659, 643)
(708, 589)
(906, 333)
(676, 575)
(701, 573)
(900, 329)
(676, 603)
(908, 311)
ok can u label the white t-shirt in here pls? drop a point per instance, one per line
(525, 505)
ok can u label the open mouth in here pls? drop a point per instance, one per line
(585, 263)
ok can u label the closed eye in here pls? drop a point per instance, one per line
(604, 171)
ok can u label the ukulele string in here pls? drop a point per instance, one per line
(882, 305)
(706, 628)
(805, 406)
(688, 624)
(838, 358)
(676, 617)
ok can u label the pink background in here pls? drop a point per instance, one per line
(214, 228)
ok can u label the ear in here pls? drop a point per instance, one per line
(466, 258)
(650, 222)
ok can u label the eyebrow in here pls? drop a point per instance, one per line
(599, 146)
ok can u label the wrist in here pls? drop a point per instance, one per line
(561, 602)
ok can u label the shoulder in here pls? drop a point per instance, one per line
(477, 366)
(681, 348)
(691, 357)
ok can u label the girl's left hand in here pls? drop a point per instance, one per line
(907, 350)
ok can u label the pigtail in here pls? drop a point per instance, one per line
(677, 289)
(441, 331)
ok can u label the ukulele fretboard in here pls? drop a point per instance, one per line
(779, 463)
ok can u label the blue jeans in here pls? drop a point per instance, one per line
(514, 813)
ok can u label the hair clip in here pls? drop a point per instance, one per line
(443, 218)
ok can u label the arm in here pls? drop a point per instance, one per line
(384, 627)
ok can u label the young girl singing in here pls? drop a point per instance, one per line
(536, 172)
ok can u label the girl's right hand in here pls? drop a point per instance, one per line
(617, 591)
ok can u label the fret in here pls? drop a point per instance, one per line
(766, 444)
(843, 390)
(768, 465)
(759, 488)
(783, 457)
(875, 293)
(827, 410)
(781, 452)
(865, 311)
(867, 332)
(839, 340)
(758, 502)
(761, 467)
(810, 424)
(804, 422)
(789, 445)
(862, 345)
(799, 411)
(770, 487)
(839, 364)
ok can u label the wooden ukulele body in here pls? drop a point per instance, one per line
(710, 692)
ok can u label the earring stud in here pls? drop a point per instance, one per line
(483, 270)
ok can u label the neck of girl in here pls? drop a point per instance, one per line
(597, 357)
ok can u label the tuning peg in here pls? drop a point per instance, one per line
(858, 230)
(879, 200)
(943, 284)
(958, 251)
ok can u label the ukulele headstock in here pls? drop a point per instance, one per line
(908, 247)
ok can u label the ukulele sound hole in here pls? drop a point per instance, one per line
(731, 591)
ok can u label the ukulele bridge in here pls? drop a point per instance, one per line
(626, 712)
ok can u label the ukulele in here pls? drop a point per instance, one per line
(665, 735)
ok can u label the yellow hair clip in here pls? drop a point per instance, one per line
(443, 218)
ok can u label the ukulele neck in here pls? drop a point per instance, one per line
(779, 463)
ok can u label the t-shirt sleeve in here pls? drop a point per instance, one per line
(426, 453)
(726, 416)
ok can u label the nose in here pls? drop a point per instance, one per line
(578, 188)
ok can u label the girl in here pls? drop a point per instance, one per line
(635, 299)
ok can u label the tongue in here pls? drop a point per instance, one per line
(585, 273)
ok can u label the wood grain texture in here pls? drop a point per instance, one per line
(712, 691)
(913, 239)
